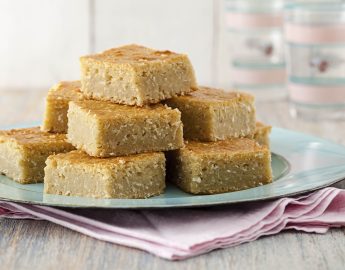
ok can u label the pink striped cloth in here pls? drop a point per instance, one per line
(177, 234)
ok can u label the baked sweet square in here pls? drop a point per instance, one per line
(55, 115)
(132, 177)
(23, 152)
(262, 134)
(105, 129)
(210, 114)
(222, 166)
(136, 75)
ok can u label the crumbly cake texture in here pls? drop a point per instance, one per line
(262, 134)
(217, 167)
(136, 75)
(105, 129)
(132, 177)
(55, 116)
(210, 114)
(23, 153)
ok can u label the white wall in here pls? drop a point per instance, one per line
(42, 39)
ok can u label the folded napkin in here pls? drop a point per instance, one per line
(177, 234)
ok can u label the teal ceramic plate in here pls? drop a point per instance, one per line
(300, 163)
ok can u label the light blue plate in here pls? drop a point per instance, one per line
(300, 163)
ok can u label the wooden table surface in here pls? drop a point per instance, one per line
(27, 244)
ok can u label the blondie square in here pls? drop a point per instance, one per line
(23, 153)
(106, 129)
(136, 75)
(217, 167)
(262, 134)
(210, 114)
(133, 177)
(55, 116)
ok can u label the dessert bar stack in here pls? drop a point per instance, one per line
(120, 129)
(226, 150)
(136, 119)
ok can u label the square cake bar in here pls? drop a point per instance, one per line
(136, 75)
(132, 177)
(217, 167)
(106, 129)
(55, 116)
(262, 134)
(23, 153)
(210, 114)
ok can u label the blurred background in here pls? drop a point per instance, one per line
(231, 43)
(42, 40)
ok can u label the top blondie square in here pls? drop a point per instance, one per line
(136, 75)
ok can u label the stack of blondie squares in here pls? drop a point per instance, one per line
(136, 119)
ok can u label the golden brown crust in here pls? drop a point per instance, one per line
(31, 136)
(261, 127)
(107, 110)
(131, 53)
(80, 157)
(213, 95)
(66, 90)
(240, 145)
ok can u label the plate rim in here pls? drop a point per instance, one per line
(175, 206)
(192, 204)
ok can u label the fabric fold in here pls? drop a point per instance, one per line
(177, 234)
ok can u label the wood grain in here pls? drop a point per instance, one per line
(28, 244)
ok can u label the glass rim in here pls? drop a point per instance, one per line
(316, 6)
(255, 6)
(256, 0)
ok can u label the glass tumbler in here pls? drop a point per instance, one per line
(257, 46)
(315, 38)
